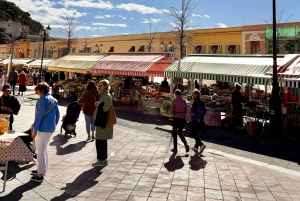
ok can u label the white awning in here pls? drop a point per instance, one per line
(76, 63)
(37, 63)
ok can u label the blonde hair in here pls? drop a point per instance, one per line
(105, 83)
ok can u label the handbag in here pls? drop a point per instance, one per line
(111, 116)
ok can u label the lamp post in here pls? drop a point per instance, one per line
(44, 32)
(98, 48)
(275, 105)
(52, 49)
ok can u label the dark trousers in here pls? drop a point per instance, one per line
(237, 117)
(178, 124)
(196, 126)
(101, 146)
(13, 84)
(11, 120)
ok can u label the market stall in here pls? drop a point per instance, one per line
(72, 63)
(134, 64)
(36, 64)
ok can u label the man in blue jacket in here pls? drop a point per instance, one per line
(46, 118)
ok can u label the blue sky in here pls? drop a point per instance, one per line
(120, 17)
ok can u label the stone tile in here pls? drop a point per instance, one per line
(137, 198)
(120, 194)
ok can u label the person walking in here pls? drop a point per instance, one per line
(105, 119)
(9, 104)
(22, 83)
(178, 109)
(88, 98)
(198, 111)
(12, 79)
(45, 122)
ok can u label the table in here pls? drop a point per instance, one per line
(150, 104)
(12, 148)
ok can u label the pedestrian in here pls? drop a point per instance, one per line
(22, 83)
(45, 122)
(105, 119)
(12, 79)
(197, 85)
(178, 109)
(9, 104)
(198, 111)
(205, 90)
(88, 98)
(34, 78)
(237, 111)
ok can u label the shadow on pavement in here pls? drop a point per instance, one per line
(14, 168)
(60, 140)
(17, 193)
(86, 180)
(174, 163)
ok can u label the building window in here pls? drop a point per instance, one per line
(199, 49)
(215, 49)
(183, 50)
(111, 49)
(232, 49)
(73, 50)
(132, 49)
(255, 47)
(142, 48)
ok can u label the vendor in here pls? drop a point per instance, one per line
(144, 81)
(204, 90)
(237, 112)
(128, 83)
(165, 84)
(9, 104)
(197, 85)
(287, 97)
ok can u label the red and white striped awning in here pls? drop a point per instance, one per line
(133, 64)
(289, 67)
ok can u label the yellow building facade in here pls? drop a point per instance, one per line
(204, 41)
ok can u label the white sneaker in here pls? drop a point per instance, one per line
(195, 149)
(202, 149)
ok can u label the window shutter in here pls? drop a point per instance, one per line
(34, 54)
(219, 49)
(203, 49)
(209, 48)
(237, 49)
(194, 49)
(227, 52)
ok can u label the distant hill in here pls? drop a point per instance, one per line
(9, 10)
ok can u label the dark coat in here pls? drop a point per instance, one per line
(10, 101)
(101, 117)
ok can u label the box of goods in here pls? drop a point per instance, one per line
(125, 91)
(125, 100)
(253, 128)
(3, 125)
(117, 102)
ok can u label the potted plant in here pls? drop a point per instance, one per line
(166, 106)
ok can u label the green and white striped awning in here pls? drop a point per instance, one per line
(227, 69)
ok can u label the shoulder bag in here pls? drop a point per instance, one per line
(49, 109)
(111, 116)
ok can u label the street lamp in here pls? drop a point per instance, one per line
(44, 32)
(98, 48)
(162, 45)
(52, 49)
(275, 105)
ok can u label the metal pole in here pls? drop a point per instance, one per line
(275, 105)
(44, 40)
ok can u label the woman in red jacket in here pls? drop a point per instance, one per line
(22, 82)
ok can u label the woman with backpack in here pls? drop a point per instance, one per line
(198, 111)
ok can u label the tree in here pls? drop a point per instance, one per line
(69, 32)
(182, 23)
(285, 43)
(150, 38)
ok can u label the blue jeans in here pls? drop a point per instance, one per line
(89, 123)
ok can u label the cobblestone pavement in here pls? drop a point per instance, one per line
(141, 167)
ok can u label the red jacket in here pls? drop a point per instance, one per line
(22, 79)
